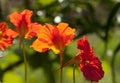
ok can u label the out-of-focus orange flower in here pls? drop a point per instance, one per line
(24, 27)
(6, 36)
(53, 37)
(89, 63)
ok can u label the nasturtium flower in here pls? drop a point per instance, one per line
(6, 36)
(54, 38)
(24, 26)
(88, 62)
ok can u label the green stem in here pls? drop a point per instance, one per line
(25, 61)
(61, 76)
(61, 65)
(113, 70)
(74, 73)
(1, 15)
(27, 4)
(113, 63)
(105, 50)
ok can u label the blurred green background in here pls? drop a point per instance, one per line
(99, 20)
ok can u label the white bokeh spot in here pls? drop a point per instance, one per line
(40, 13)
(60, 1)
(57, 19)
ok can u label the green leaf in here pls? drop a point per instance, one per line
(45, 2)
(11, 77)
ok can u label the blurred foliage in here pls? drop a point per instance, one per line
(98, 19)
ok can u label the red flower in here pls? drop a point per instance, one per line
(6, 36)
(89, 63)
(25, 28)
(53, 37)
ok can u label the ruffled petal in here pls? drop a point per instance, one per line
(83, 44)
(92, 72)
(6, 36)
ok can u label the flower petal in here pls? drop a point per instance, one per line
(40, 45)
(67, 32)
(83, 44)
(6, 36)
(92, 72)
(17, 18)
(34, 29)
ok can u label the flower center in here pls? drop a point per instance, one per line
(87, 62)
(22, 30)
(57, 39)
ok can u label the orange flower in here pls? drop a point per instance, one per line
(25, 28)
(53, 37)
(6, 36)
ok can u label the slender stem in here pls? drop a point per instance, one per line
(105, 49)
(61, 65)
(61, 75)
(25, 61)
(113, 70)
(27, 4)
(74, 73)
(113, 63)
(1, 15)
